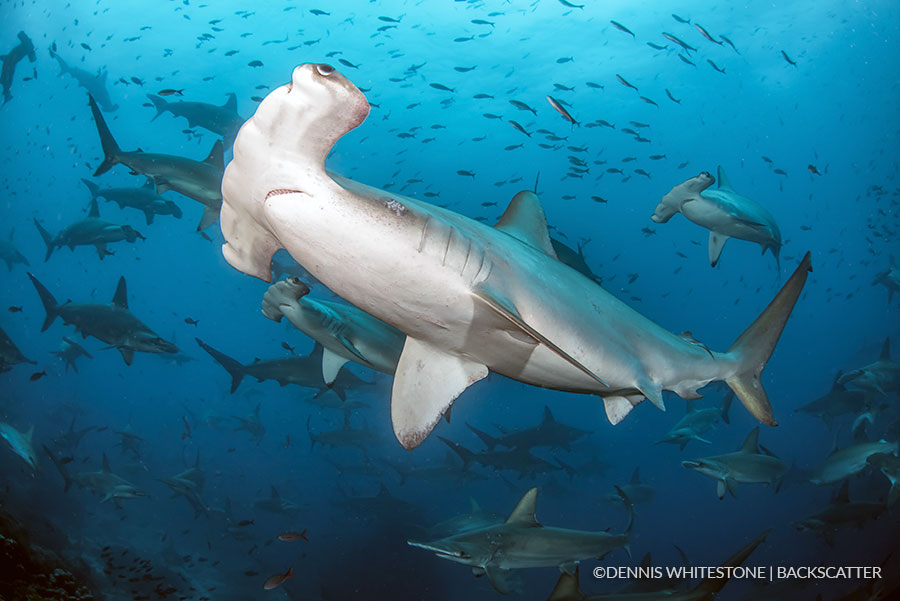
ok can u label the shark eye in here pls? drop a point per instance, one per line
(324, 70)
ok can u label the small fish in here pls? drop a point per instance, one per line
(649, 101)
(318, 13)
(287, 441)
(482, 22)
(729, 42)
(686, 60)
(37, 376)
(705, 34)
(599, 199)
(657, 46)
(625, 83)
(678, 41)
(255, 64)
(465, 173)
(672, 98)
(565, 59)
(468, 39)
(787, 58)
(522, 106)
(464, 69)
(231, 52)
(190, 321)
(780, 172)
(519, 127)
(442, 87)
(389, 19)
(277, 580)
(492, 116)
(257, 98)
(347, 63)
(482, 96)
(681, 19)
(716, 67)
(656, 157)
(563, 88)
(561, 110)
(187, 429)
(812, 169)
(138, 81)
(287, 347)
(171, 92)
(85, 46)
(642, 172)
(767, 159)
(596, 86)
(570, 5)
(244, 523)
(513, 146)
(292, 536)
(622, 28)
(15, 309)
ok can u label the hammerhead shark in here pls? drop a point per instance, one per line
(470, 298)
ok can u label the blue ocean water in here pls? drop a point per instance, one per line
(803, 120)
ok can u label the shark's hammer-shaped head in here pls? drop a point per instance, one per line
(282, 150)
(689, 190)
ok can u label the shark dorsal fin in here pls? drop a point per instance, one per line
(95, 209)
(231, 103)
(383, 491)
(106, 468)
(275, 494)
(886, 350)
(842, 497)
(724, 182)
(751, 443)
(548, 416)
(646, 562)
(474, 506)
(636, 476)
(216, 156)
(30, 434)
(120, 298)
(523, 514)
(524, 219)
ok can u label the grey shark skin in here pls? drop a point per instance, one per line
(92, 231)
(838, 401)
(475, 519)
(345, 332)
(69, 351)
(522, 542)
(20, 443)
(882, 377)
(518, 460)
(301, 371)
(637, 492)
(94, 84)
(346, 436)
(568, 589)
(198, 180)
(747, 465)
(469, 297)
(144, 199)
(189, 484)
(252, 424)
(10, 255)
(548, 433)
(724, 212)
(10, 355)
(697, 422)
(104, 483)
(222, 120)
(274, 503)
(843, 463)
(113, 324)
(25, 48)
(890, 279)
(839, 514)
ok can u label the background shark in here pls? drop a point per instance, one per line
(92, 231)
(747, 465)
(20, 443)
(95, 84)
(10, 354)
(25, 48)
(9, 254)
(222, 120)
(144, 199)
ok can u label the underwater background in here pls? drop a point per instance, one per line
(804, 120)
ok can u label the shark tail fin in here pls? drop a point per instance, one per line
(111, 150)
(91, 186)
(50, 304)
(62, 468)
(753, 348)
(567, 588)
(465, 454)
(710, 587)
(160, 103)
(233, 367)
(489, 441)
(47, 238)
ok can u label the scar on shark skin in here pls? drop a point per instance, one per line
(279, 191)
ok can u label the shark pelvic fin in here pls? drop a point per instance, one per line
(498, 577)
(209, 217)
(524, 219)
(427, 382)
(127, 354)
(505, 308)
(331, 365)
(716, 244)
(523, 514)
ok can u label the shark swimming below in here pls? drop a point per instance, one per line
(697, 422)
(724, 212)
(113, 324)
(92, 231)
(144, 199)
(198, 180)
(222, 120)
(522, 542)
(25, 48)
(95, 84)
(882, 377)
(469, 297)
(104, 483)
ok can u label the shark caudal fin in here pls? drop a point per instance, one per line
(91, 186)
(111, 150)
(234, 368)
(50, 304)
(753, 348)
(710, 587)
(47, 238)
(465, 454)
(160, 103)
(61, 467)
(489, 441)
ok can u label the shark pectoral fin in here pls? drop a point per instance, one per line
(617, 407)
(720, 489)
(716, 243)
(331, 365)
(210, 215)
(569, 567)
(127, 354)
(498, 578)
(505, 308)
(426, 383)
(731, 486)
